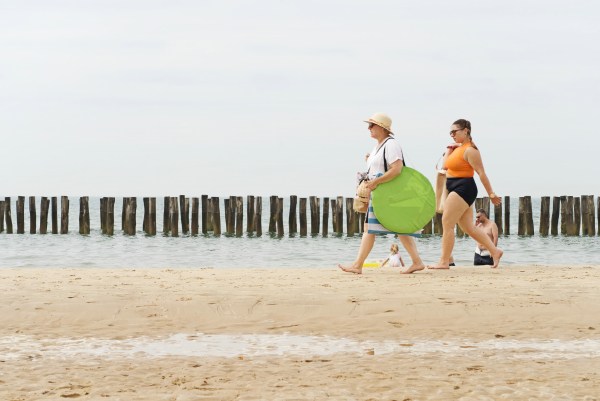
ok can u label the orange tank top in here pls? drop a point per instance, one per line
(456, 164)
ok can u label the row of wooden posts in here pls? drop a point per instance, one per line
(577, 214)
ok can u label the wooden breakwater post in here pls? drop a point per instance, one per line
(44, 208)
(129, 215)
(54, 214)
(84, 215)
(195, 215)
(302, 214)
(576, 215)
(555, 215)
(498, 218)
(564, 215)
(239, 216)
(20, 207)
(250, 222)
(279, 219)
(340, 212)
(107, 215)
(215, 216)
(149, 222)
(174, 216)
(350, 217)
(8, 216)
(315, 215)
(588, 215)
(525, 216)
(272, 214)
(483, 203)
(258, 216)
(567, 219)
(293, 220)
(428, 228)
(32, 215)
(438, 227)
(205, 214)
(334, 216)
(325, 224)
(166, 217)
(507, 215)
(64, 214)
(184, 208)
(545, 216)
(1, 216)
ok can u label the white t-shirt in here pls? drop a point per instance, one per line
(375, 164)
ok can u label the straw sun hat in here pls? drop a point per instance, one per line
(381, 119)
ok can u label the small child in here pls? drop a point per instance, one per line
(395, 259)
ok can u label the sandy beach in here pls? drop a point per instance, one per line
(516, 333)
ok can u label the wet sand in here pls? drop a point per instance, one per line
(471, 333)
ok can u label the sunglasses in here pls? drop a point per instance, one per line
(454, 131)
(371, 125)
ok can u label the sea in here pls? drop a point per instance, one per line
(267, 251)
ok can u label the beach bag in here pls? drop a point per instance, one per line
(361, 200)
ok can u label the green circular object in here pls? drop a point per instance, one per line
(406, 203)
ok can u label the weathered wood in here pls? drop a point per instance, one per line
(563, 215)
(149, 225)
(350, 217)
(250, 226)
(498, 218)
(184, 208)
(44, 209)
(239, 216)
(571, 225)
(293, 220)
(577, 215)
(325, 225)
(1, 216)
(32, 215)
(229, 225)
(64, 215)
(110, 215)
(20, 207)
(545, 216)
(174, 216)
(84, 215)
(340, 211)
(209, 214)
(506, 215)
(584, 215)
(315, 221)
(302, 214)
(438, 228)
(525, 216)
(428, 228)
(103, 201)
(216, 216)
(146, 202)
(129, 225)
(334, 216)
(123, 211)
(8, 216)
(258, 216)
(592, 217)
(204, 203)
(166, 215)
(280, 231)
(272, 214)
(195, 215)
(555, 215)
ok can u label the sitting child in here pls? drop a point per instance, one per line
(395, 259)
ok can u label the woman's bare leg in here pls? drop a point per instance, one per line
(454, 208)
(467, 225)
(410, 245)
(366, 244)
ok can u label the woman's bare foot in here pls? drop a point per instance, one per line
(352, 269)
(413, 268)
(440, 266)
(496, 257)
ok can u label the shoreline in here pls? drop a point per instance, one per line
(478, 312)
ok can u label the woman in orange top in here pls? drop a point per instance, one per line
(462, 160)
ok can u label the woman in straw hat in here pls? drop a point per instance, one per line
(384, 163)
(461, 162)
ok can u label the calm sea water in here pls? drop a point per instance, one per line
(97, 250)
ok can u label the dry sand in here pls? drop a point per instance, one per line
(450, 333)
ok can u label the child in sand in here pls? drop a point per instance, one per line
(395, 259)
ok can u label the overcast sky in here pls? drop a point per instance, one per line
(138, 98)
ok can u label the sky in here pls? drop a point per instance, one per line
(268, 97)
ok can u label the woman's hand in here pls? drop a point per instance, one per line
(496, 200)
(371, 185)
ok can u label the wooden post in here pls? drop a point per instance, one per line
(577, 215)
(174, 216)
(84, 215)
(340, 210)
(64, 214)
(507, 215)
(8, 216)
(32, 215)
(123, 211)
(44, 208)
(184, 207)
(239, 216)
(428, 228)
(570, 217)
(302, 213)
(325, 225)
(130, 216)
(195, 215)
(314, 215)
(350, 217)
(272, 213)
(545, 216)
(1, 216)
(250, 226)
(228, 220)
(205, 214)
(166, 215)
(280, 232)
(103, 202)
(498, 218)
(598, 214)
(146, 202)
(110, 216)
(293, 221)
(527, 215)
(563, 215)
(555, 214)
(438, 228)
(149, 225)
(591, 217)
(216, 216)
(20, 215)
(54, 202)
(334, 215)
(585, 215)
(258, 216)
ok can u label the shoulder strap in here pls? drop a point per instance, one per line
(377, 151)
(385, 166)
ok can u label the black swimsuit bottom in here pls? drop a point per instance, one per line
(464, 187)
